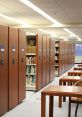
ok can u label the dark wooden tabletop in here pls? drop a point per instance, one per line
(63, 90)
(78, 68)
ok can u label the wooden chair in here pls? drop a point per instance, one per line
(76, 100)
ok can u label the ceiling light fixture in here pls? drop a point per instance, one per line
(41, 12)
(71, 33)
(79, 39)
(15, 20)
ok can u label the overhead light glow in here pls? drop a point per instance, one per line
(79, 39)
(71, 33)
(15, 20)
(66, 40)
(28, 33)
(41, 12)
(53, 35)
(44, 31)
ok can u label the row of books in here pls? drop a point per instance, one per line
(30, 41)
(56, 57)
(31, 70)
(56, 68)
(31, 80)
(31, 49)
(56, 44)
(31, 60)
(56, 50)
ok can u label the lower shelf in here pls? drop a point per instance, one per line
(56, 73)
(30, 87)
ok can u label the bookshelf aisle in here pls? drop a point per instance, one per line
(31, 63)
(39, 62)
(56, 58)
(64, 57)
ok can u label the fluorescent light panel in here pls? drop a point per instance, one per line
(71, 33)
(79, 39)
(15, 20)
(41, 12)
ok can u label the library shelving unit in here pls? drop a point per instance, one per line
(31, 63)
(52, 59)
(39, 61)
(56, 58)
(12, 68)
(34, 62)
(64, 57)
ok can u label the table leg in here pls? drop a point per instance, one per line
(60, 97)
(60, 82)
(60, 102)
(51, 106)
(69, 107)
(64, 98)
(43, 105)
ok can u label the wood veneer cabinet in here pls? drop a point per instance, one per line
(52, 59)
(44, 60)
(34, 62)
(64, 57)
(22, 65)
(31, 63)
(13, 67)
(3, 69)
(47, 60)
(39, 61)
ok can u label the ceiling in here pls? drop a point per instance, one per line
(67, 12)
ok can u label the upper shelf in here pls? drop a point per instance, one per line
(30, 54)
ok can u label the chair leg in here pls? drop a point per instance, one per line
(76, 109)
(69, 107)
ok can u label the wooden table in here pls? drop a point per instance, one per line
(67, 80)
(80, 65)
(78, 68)
(51, 91)
(75, 73)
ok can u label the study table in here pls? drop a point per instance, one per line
(67, 80)
(75, 73)
(78, 68)
(53, 90)
(80, 65)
